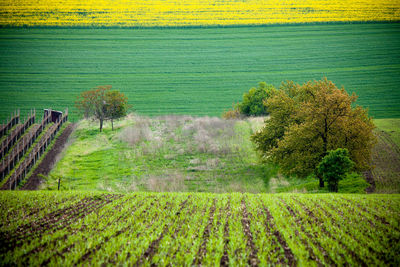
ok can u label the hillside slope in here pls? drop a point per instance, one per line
(196, 71)
(70, 228)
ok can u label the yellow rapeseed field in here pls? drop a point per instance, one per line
(192, 12)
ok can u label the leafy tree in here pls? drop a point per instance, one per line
(306, 121)
(334, 167)
(233, 113)
(253, 101)
(102, 104)
(116, 105)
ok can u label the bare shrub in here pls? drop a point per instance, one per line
(213, 163)
(169, 156)
(137, 133)
(173, 181)
(195, 161)
(152, 147)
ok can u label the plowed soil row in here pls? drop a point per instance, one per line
(206, 234)
(53, 221)
(271, 227)
(152, 249)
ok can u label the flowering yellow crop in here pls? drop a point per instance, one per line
(192, 12)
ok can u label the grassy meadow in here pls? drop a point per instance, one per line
(139, 13)
(196, 71)
(175, 154)
(168, 153)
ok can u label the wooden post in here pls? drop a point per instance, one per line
(59, 181)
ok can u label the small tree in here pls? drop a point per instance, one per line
(334, 167)
(116, 105)
(253, 101)
(102, 104)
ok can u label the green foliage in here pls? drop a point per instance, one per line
(253, 101)
(306, 121)
(353, 183)
(102, 104)
(116, 105)
(70, 228)
(92, 103)
(334, 167)
(195, 71)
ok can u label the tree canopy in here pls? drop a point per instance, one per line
(334, 167)
(102, 104)
(253, 101)
(116, 105)
(306, 121)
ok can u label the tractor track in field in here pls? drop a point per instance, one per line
(49, 159)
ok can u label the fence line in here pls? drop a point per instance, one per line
(14, 119)
(13, 157)
(23, 169)
(13, 137)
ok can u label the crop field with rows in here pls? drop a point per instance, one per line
(192, 12)
(196, 71)
(87, 228)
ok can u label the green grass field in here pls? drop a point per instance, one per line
(170, 153)
(198, 229)
(196, 71)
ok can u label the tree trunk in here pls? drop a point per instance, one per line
(101, 125)
(321, 182)
(320, 177)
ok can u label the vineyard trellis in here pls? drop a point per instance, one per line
(13, 157)
(4, 128)
(23, 146)
(13, 137)
(30, 160)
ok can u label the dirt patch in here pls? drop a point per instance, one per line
(49, 160)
